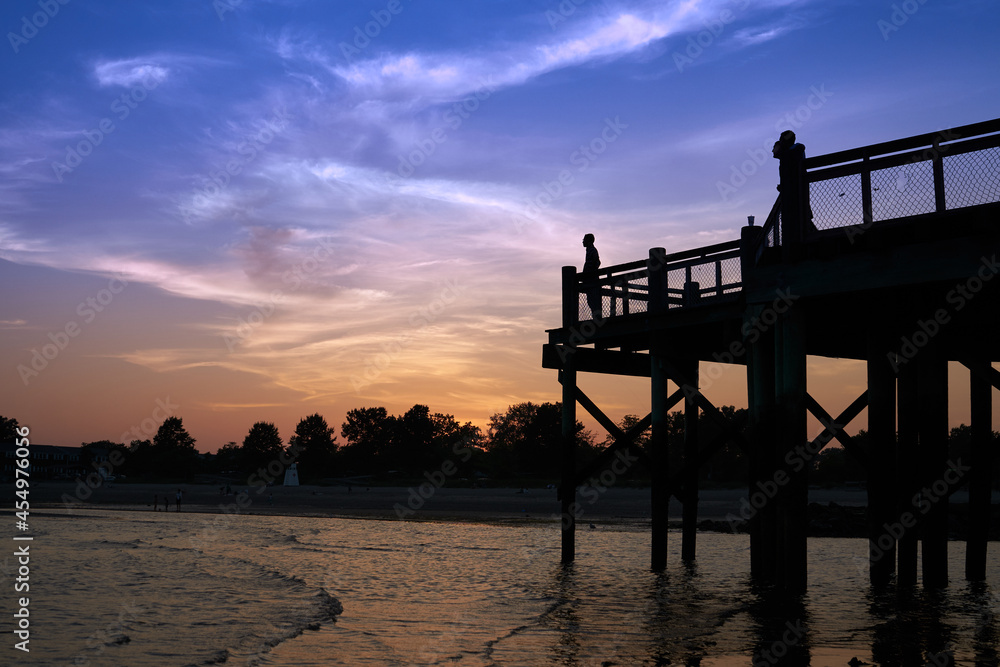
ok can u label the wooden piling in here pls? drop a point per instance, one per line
(882, 459)
(659, 409)
(907, 484)
(793, 495)
(760, 394)
(660, 473)
(933, 503)
(980, 396)
(690, 512)
(567, 376)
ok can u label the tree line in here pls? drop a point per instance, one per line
(520, 445)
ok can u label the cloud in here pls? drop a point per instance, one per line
(149, 71)
(443, 77)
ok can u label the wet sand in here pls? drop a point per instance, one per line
(628, 505)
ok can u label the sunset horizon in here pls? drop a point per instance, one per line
(258, 211)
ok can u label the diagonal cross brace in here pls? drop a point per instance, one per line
(622, 439)
(835, 427)
(712, 412)
(991, 374)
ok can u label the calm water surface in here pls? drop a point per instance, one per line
(142, 588)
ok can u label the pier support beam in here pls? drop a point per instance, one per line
(793, 496)
(760, 394)
(567, 486)
(881, 460)
(980, 492)
(690, 513)
(659, 454)
(907, 484)
(932, 366)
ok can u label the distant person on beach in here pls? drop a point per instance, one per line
(591, 288)
(796, 213)
(166, 502)
(178, 500)
(156, 503)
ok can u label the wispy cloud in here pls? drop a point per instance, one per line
(150, 71)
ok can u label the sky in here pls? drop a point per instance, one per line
(257, 210)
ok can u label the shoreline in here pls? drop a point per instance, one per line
(832, 512)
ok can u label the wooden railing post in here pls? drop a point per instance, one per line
(570, 297)
(938, 167)
(656, 265)
(866, 191)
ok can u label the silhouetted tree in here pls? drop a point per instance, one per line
(141, 461)
(173, 450)
(367, 430)
(834, 465)
(728, 464)
(229, 458)
(8, 429)
(462, 444)
(103, 450)
(261, 446)
(525, 440)
(314, 446)
(410, 446)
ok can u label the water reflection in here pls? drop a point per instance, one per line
(781, 627)
(984, 605)
(564, 615)
(913, 626)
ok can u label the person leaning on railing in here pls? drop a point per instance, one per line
(591, 287)
(796, 213)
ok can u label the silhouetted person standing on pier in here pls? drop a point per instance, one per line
(591, 263)
(796, 214)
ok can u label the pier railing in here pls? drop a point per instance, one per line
(928, 173)
(662, 282)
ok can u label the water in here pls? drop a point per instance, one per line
(129, 588)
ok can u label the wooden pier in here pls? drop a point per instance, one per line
(898, 269)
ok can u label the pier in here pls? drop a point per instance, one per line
(898, 269)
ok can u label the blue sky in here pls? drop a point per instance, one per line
(288, 207)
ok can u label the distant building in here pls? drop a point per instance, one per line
(292, 475)
(46, 461)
